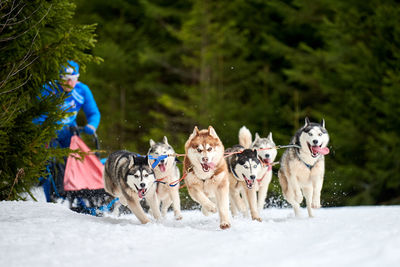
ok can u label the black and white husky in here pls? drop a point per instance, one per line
(130, 178)
(166, 173)
(302, 168)
(244, 168)
(266, 152)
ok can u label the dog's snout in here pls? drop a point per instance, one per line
(204, 159)
(162, 161)
(267, 155)
(315, 142)
(142, 185)
(252, 177)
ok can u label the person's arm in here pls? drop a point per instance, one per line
(91, 111)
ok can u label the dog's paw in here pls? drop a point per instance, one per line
(211, 208)
(145, 221)
(315, 205)
(225, 225)
(204, 211)
(257, 219)
(178, 217)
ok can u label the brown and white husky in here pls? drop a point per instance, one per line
(207, 173)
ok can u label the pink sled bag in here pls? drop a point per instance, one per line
(86, 174)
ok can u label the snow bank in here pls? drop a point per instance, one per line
(38, 234)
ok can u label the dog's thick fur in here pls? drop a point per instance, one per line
(166, 172)
(302, 169)
(244, 168)
(207, 173)
(130, 178)
(266, 152)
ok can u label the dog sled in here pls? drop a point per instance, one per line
(79, 181)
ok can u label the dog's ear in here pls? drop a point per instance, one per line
(152, 143)
(146, 159)
(307, 122)
(270, 137)
(323, 123)
(255, 153)
(212, 132)
(195, 133)
(131, 160)
(165, 140)
(256, 137)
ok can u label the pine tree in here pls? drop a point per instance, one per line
(37, 37)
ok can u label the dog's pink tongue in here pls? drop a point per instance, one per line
(211, 165)
(162, 167)
(141, 193)
(320, 150)
(268, 163)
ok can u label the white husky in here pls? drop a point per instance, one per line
(302, 168)
(166, 173)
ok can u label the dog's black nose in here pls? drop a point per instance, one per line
(267, 155)
(252, 177)
(315, 142)
(142, 185)
(204, 159)
(162, 161)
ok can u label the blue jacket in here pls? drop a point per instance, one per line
(79, 97)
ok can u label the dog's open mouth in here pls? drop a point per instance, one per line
(266, 162)
(207, 166)
(317, 150)
(141, 192)
(249, 182)
(162, 167)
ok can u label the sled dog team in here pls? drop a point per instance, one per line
(236, 178)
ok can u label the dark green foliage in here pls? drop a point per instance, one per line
(36, 38)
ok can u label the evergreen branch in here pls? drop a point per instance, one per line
(6, 24)
(20, 173)
(20, 67)
(18, 22)
(178, 71)
(12, 9)
(24, 32)
(14, 89)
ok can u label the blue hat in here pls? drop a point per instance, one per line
(71, 71)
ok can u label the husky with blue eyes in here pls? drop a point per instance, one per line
(129, 177)
(266, 152)
(302, 167)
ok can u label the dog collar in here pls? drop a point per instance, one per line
(307, 165)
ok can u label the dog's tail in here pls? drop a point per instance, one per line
(244, 137)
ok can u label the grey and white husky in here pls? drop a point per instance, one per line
(302, 168)
(130, 178)
(166, 172)
(244, 168)
(266, 151)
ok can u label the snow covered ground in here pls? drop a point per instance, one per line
(42, 234)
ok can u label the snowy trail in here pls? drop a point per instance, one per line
(37, 233)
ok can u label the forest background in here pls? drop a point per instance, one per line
(170, 65)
